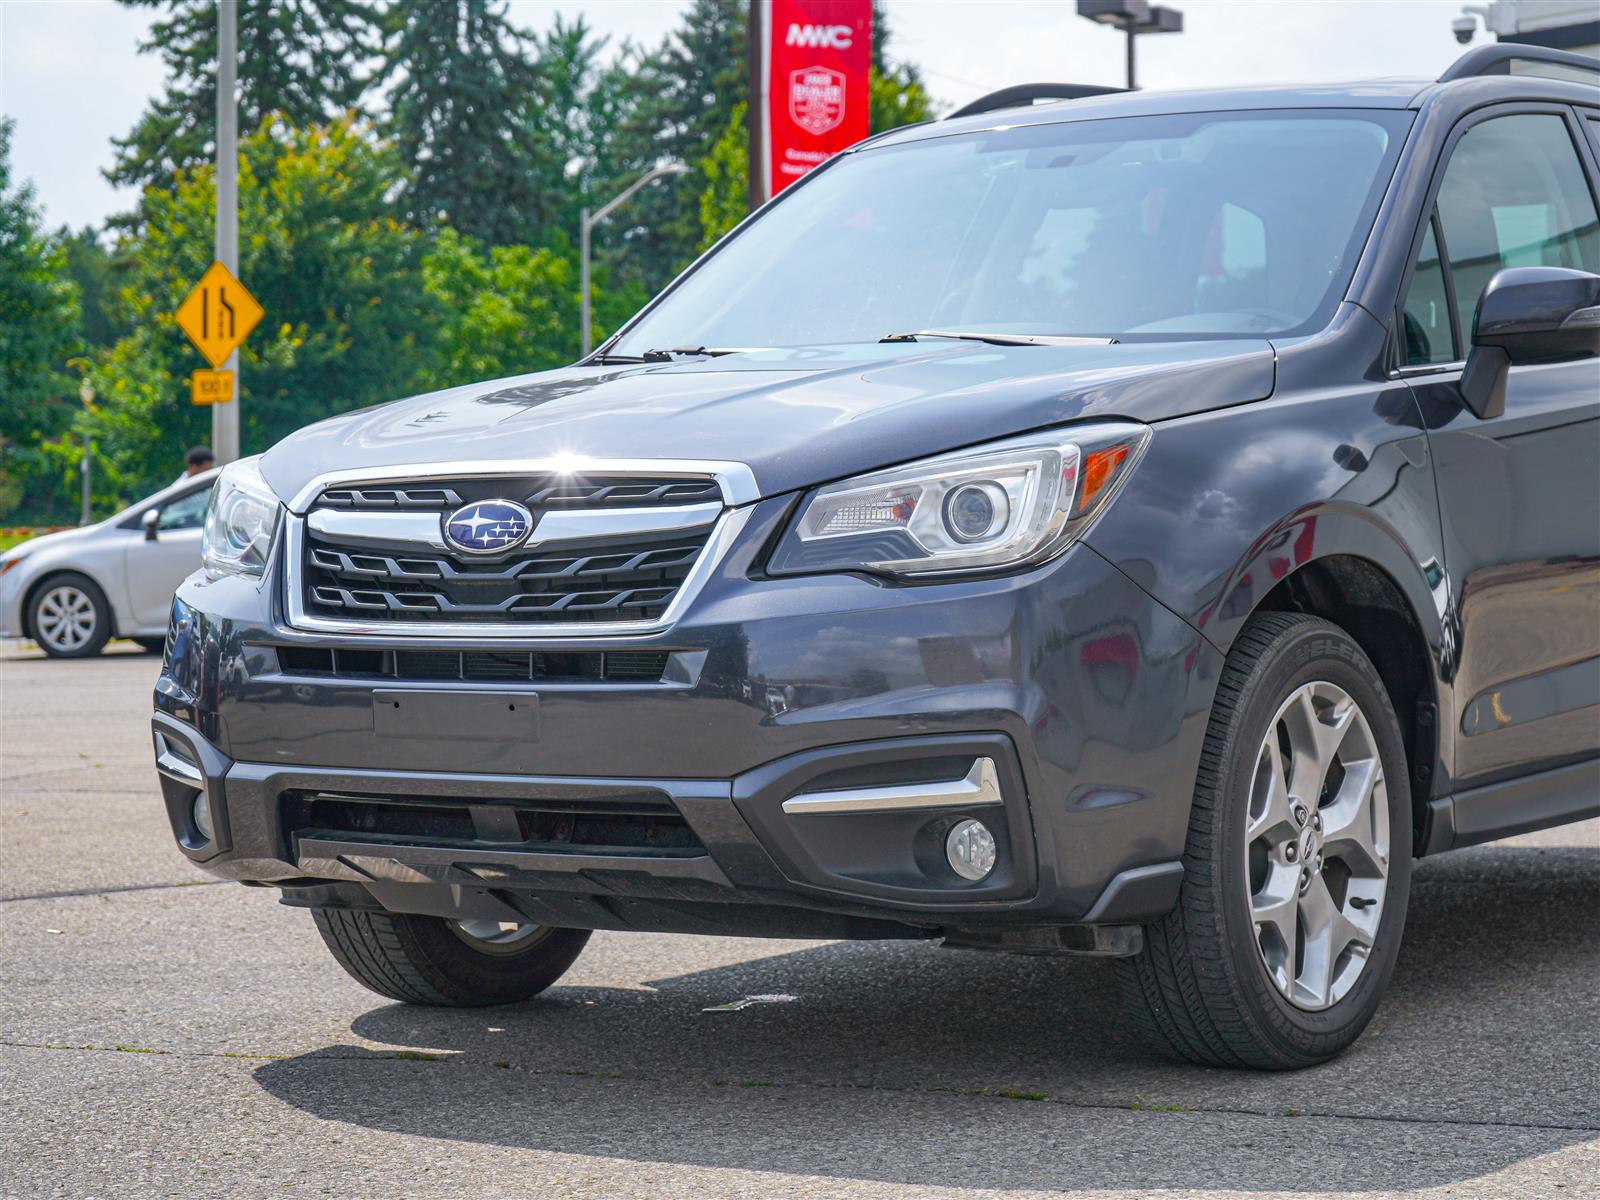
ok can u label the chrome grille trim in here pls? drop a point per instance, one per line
(413, 531)
(726, 528)
(736, 479)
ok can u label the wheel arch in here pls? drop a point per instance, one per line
(1365, 600)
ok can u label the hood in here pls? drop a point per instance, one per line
(796, 417)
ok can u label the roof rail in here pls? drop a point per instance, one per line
(1020, 94)
(1497, 60)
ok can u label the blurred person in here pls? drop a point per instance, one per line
(198, 459)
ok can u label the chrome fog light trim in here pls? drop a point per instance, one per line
(979, 787)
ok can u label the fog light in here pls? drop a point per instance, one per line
(970, 849)
(202, 816)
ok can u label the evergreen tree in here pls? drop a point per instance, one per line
(39, 328)
(576, 112)
(461, 81)
(302, 58)
(97, 276)
(677, 102)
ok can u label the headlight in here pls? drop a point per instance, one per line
(992, 508)
(241, 520)
(14, 559)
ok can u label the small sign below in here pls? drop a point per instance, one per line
(218, 315)
(211, 387)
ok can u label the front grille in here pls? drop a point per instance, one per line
(536, 491)
(630, 823)
(616, 579)
(477, 666)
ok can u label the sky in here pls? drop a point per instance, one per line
(72, 77)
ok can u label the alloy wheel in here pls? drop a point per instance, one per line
(1317, 845)
(495, 937)
(65, 618)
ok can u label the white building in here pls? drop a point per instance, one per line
(1572, 25)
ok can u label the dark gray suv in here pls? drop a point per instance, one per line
(1137, 525)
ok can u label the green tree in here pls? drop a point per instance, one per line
(302, 58)
(39, 329)
(96, 274)
(507, 310)
(677, 101)
(726, 170)
(461, 80)
(346, 323)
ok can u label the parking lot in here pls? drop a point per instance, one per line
(166, 1035)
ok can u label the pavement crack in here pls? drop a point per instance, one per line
(108, 891)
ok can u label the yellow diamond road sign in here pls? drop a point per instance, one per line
(219, 314)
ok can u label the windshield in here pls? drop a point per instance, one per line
(1136, 228)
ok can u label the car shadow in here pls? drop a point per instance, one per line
(890, 1049)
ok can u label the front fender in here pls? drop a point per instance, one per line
(1226, 505)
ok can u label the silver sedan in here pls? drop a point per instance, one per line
(72, 591)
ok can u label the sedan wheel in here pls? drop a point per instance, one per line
(70, 618)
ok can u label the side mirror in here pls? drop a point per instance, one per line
(149, 521)
(1526, 315)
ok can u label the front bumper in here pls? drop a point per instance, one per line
(1089, 697)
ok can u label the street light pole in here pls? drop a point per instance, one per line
(1133, 17)
(225, 414)
(586, 224)
(86, 394)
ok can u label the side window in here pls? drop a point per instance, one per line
(1429, 337)
(186, 512)
(1514, 195)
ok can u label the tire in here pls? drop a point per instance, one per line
(69, 617)
(151, 645)
(1217, 982)
(430, 960)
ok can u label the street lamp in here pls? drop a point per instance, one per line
(1135, 17)
(586, 224)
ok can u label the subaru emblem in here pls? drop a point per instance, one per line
(488, 526)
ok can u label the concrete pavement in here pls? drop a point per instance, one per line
(162, 1035)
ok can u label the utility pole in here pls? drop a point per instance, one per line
(756, 112)
(225, 415)
(86, 394)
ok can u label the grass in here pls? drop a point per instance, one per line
(1141, 1106)
(10, 537)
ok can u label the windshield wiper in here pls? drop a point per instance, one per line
(706, 351)
(1001, 339)
(660, 356)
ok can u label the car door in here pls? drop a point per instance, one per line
(156, 566)
(1519, 494)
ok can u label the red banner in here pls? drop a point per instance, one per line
(814, 88)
